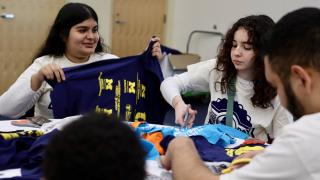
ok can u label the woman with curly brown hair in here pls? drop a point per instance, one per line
(236, 78)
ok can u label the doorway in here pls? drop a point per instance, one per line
(134, 23)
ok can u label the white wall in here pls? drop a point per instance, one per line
(188, 15)
(184, 16)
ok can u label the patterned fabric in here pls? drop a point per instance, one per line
(17, 134)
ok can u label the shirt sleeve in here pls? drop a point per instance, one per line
(199, 75)
(166, 67)
(19, 98)
(173, 86)
(279, 161)
(196, 78)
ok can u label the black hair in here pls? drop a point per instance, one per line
(68, 16)
(95, 147)
(256, 26)
(295, 39)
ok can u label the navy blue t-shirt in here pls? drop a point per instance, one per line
(128, 87)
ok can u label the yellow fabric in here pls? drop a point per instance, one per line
(235, 162)
(12, 135)
(241, 150)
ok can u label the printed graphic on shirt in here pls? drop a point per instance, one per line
(128, 87)
(241, 119)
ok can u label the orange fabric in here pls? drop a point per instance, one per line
(136, 124)
(155, 138)
(253, 141)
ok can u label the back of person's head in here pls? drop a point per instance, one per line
(95, 147)
(295, 39)
(256, 26)
(294, 43)
(69, 15)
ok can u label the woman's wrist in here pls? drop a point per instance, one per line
(36, 82)
(176, 100)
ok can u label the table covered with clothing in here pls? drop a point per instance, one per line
(21, 148)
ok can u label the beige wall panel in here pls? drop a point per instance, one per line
(134, 22)
(22, 36)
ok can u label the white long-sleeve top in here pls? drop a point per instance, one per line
(19, 98)
(255, 121)
(294, 155)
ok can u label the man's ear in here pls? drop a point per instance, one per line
(302, 77)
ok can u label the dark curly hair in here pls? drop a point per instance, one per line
(256, 26)
(68, 16)
(95, 147)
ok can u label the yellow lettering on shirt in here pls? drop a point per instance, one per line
(104, 84)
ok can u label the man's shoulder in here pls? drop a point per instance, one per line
(306, 128)
(307, 123)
